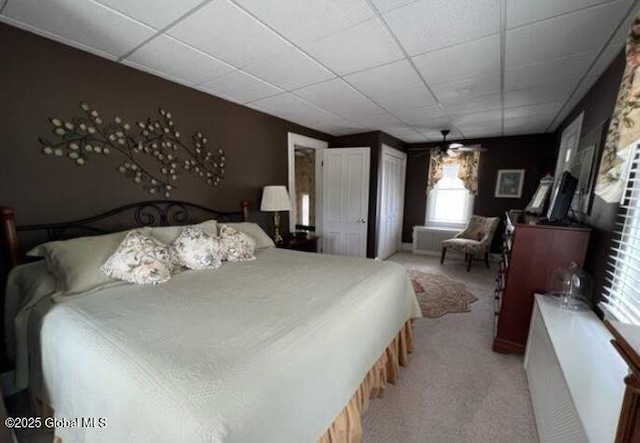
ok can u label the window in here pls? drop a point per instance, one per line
(305, 209)
(622, 297)
(449, 204)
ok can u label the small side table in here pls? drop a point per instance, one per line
(298, 242)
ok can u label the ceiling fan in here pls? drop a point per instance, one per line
(453, 149)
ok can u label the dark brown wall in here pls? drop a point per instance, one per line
(40, 78)
(373, 140)
(598, 106)
(534, 153)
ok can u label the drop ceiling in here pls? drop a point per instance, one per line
(481, 68)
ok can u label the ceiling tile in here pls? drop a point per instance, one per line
(226, 32)
(428, 25)
(521, 12)
(404, 133)
(569, 68)
(468, 88)
(303, 21)
(564, 35)
(167, 55)
(388, 5)
(414, 138)
(403, 99)
(392, 76)
(94, 26)
(239, 87)
(291, 69)
(482, 130)
(488, 117)
(394, 86)
(155, 13)
(539, 94)
(297, 110)
(155, 72)
(544, 111)
(475, 104)
(339, 98)
(375, 120)
(360, 47)
(465, 60)
(425, 115)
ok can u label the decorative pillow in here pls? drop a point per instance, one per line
(255, 232)
(75, 264)
(139, 259)
(168, 234)
(195, 248)
(238, 245)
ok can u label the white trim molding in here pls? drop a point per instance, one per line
(294, 140)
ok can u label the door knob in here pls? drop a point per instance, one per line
(362, 220)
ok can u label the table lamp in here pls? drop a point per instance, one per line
(276, 199)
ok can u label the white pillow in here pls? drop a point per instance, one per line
(75, 264)
(168, 234)
(139, 259)
(196, 249)
(238, 245)
(255, 232)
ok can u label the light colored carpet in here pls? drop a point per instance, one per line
(455, 388)
(439, 295)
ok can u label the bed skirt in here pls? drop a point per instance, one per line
(347, 426)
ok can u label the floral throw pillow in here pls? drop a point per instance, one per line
(196, 249)
(139, 259)
(238, 245)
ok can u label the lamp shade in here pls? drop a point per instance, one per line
(275, 198)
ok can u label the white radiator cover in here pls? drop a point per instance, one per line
(575, 375)
(427, 240)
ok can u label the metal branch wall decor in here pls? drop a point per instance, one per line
(152, 151)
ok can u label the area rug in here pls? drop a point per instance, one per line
(439, 295)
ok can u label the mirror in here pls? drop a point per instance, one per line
(305, 188)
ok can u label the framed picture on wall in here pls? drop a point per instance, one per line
(509, 183)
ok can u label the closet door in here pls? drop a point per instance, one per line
(391, 201)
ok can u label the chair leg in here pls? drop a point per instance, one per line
(486, 259)
(469, 259)
(444, 252)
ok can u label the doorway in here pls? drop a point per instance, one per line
(391, 188)
(305, 183)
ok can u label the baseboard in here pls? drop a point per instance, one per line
(407, 247)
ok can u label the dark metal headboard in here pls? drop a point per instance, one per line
(146, 213)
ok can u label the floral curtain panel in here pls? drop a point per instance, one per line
(624, 128)
(468, 172)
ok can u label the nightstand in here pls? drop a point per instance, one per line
(300, 242)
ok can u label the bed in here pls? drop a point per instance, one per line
(288, 347)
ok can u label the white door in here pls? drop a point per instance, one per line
(391, 201)
(345, 183)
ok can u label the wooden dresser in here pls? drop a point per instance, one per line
(531, 252)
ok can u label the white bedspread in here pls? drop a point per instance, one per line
(263, 351)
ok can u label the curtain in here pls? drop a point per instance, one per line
(624, 128)
(468, 172)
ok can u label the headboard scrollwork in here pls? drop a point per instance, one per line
(147, 213)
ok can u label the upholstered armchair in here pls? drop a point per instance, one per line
(474, 240)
